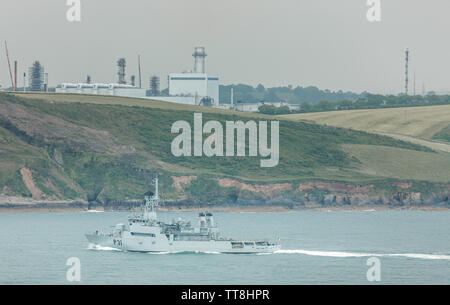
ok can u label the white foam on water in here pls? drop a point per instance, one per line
(93, 211)
(207, 252)
(101, 248)
(304, 252)
(355, 254)
(422, 256)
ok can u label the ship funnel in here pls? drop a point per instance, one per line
(210, 220)
(202, 219)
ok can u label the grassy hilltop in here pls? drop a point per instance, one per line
(106, 149)
(423, 125)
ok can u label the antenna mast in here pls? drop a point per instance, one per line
(151, 202)
(156, 188)
(406, 70)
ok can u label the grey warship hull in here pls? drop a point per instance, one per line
(145, 233)
(149, 244)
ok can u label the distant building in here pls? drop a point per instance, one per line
(193, 87)
(36, 77)
(197, 85)
(102, 89)
(154, 86)
(247, 107)
(254, 107)
(121, 64)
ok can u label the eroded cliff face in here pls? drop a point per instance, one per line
(321, 193)
(195, 191)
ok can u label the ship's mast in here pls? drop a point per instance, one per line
(151, 202)
(156, 188)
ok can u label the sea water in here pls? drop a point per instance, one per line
(413, 247)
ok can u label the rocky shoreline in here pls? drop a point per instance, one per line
(80, 206)
(233, 195)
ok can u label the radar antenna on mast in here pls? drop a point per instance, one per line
(151, 202)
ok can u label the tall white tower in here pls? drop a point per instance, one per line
(199, 56)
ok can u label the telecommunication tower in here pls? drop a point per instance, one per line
(406, 70)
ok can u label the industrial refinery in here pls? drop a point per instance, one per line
(194, 88)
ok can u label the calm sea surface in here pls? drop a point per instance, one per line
(317, 248)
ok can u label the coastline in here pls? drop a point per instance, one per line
(79, 207)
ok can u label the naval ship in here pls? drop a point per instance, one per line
(145, 233)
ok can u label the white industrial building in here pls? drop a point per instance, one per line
(197, 85)
(254, 107)
(102, 89)
(193, 87)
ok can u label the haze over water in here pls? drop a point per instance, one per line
(317, 248)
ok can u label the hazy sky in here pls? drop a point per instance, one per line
(326, 43)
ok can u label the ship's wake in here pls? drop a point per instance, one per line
(101, 248)
(338, 254)
(359, 254)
